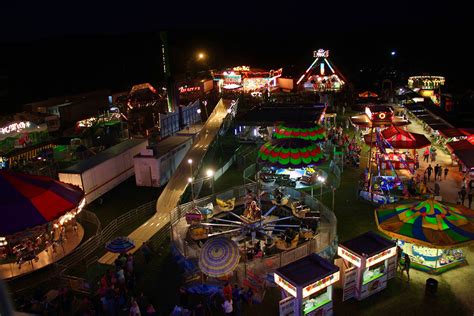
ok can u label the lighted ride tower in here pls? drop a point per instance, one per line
(321, 75)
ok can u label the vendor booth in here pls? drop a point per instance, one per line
(369, 260)
(430, 232)
(306, 286)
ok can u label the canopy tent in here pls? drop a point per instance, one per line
(27, 201)
(466, 156)
(429, 223)
(120, 245)
(290, 153)
(401, 139)
(313, 132)
(368, 94)
(219, 257)
(456, 132)
(460, 145)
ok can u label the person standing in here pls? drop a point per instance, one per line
(237, 299)
(228, 309)
(446, 170)
(436, 171)
(429, 171)
(436, 189)
(463, 194)
(406, 266)
(469, 197)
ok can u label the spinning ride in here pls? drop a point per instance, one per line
(430, 232)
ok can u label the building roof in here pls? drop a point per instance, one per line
(269, 114)
(166, 145)
(368, 244)
(103, 156)
(307, 270)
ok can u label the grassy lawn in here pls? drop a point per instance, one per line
(121, 199)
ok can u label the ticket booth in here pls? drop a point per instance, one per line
(369, 260)
(306, 286)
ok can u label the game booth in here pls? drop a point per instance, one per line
(368, 262)
(306, 286)
(430, 232)
(248, 79)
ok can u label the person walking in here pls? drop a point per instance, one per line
(463, 194)
(429, 170)
(426, 155)
(436, 171)
(406, 266)
(469, 197)
(446, 170)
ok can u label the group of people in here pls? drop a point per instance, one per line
(438, 172)
(429, 153)
(117, 290)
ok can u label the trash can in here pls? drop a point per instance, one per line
(431, 287)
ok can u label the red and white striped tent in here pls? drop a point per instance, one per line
(401, 139)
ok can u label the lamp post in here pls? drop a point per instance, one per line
(210, 175)
(190, 181)
(321, 180)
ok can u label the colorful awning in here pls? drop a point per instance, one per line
(27, 201)
(429, 223)
(311, 132)
(401, 139)
(219, 257)
(290, 153)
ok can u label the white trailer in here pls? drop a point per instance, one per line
(154, 166)
(101, 173)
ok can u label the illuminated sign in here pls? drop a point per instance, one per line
(285, 284)
(321, 53)
(343, 253)
(426, 93)
(381, 256)
(14, 127)
(320, 284)
(241, 68)
(187, 89)
(382, 116)
(470, 139)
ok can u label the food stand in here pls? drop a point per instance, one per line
(307, 286)
(369, 260)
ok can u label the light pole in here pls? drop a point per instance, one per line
(190, 181)
(210, 174)
(321, 181)
(190, 162)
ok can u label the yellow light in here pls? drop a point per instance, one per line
(210, 172)
(201, 56)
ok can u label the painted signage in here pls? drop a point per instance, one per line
(381, 256)
(349, 256)
(285, 285)
(187, 89)
(320, 284)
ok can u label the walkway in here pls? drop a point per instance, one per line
(178, 183)
(10, 270)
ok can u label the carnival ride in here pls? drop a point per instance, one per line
(430, 232)
(36, 211)
(321, 75)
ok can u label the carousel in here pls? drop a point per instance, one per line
(430, 232)
(38, 223)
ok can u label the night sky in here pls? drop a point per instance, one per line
(61, 49)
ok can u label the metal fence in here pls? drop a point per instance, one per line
(323, 241)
